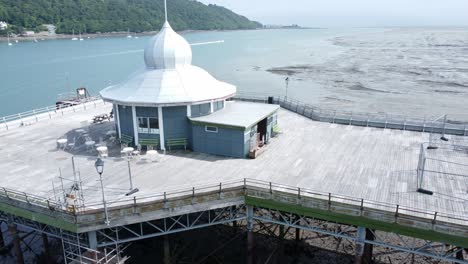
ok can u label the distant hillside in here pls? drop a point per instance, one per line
(93, 16)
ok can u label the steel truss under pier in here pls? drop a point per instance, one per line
(254, 203)
(83, 248)
(76, 247)
(361, 236)
(170, 225)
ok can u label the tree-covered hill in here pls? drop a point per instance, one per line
(93, 16)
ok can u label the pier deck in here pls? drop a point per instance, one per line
(361, 162)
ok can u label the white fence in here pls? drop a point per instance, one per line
(46, 113)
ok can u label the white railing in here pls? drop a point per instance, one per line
(392, 121)
(45, 113)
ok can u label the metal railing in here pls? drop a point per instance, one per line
(265, 189)
(392, 121)
(25, 118)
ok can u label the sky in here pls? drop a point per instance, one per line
(355, 13)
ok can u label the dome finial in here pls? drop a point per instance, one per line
(165, 10)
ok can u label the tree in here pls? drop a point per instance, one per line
(119, 15)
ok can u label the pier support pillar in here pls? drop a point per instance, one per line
(92, 240)
(363, 250)
(167, 250)
(282, 233)
(459, 254)
(298, 230)
(2, 241)
(250, 238)
(45, 242)
(368, 248)
(16, 243)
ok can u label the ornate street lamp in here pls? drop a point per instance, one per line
(99, 164)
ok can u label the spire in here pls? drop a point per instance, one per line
(165, 10)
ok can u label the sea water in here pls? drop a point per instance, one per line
(336, 69)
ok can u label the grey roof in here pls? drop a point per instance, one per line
(238, 114)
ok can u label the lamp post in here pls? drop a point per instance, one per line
(131, 190)
(99, 164)
(287, 85)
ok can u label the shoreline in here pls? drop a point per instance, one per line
(40, 36)
(46, 36)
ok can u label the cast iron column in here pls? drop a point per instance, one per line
(360, 238)
(250, 239)
(45, 242)
(2, 241)
(16, 243)
(167, 250)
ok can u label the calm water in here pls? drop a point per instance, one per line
(371, 70)
(33, 74)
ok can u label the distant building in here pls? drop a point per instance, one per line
(50, 28)
(28, 33)
(3, 25)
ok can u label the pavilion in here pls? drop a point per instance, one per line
(174, 104)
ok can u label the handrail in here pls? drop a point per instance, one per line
(427, 124)
(244, 184)
(5, 120)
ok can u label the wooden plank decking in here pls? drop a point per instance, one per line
(369, 163)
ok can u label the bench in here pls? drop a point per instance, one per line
(100, 118)
(147, 142)
(175, 142)
(276, 129)
(126, 139)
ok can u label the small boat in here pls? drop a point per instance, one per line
(128, 34)
(81, 39)
(71, 99)
(9, 43)
(74, 38)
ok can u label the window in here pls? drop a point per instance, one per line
(218, 105)
(153, 125)
(142, 125)
(200, 109)
(211, 129)
(148, 125)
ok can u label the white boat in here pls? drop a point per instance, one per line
(128, 34)
(81, 39)
(9, 43)
(74, 38)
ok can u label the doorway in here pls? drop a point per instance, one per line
(262, 130)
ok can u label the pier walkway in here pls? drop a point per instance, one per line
(357, 175)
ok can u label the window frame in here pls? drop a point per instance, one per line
(211, 131)
(148, 129)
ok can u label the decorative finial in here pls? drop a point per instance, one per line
(165, 10)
